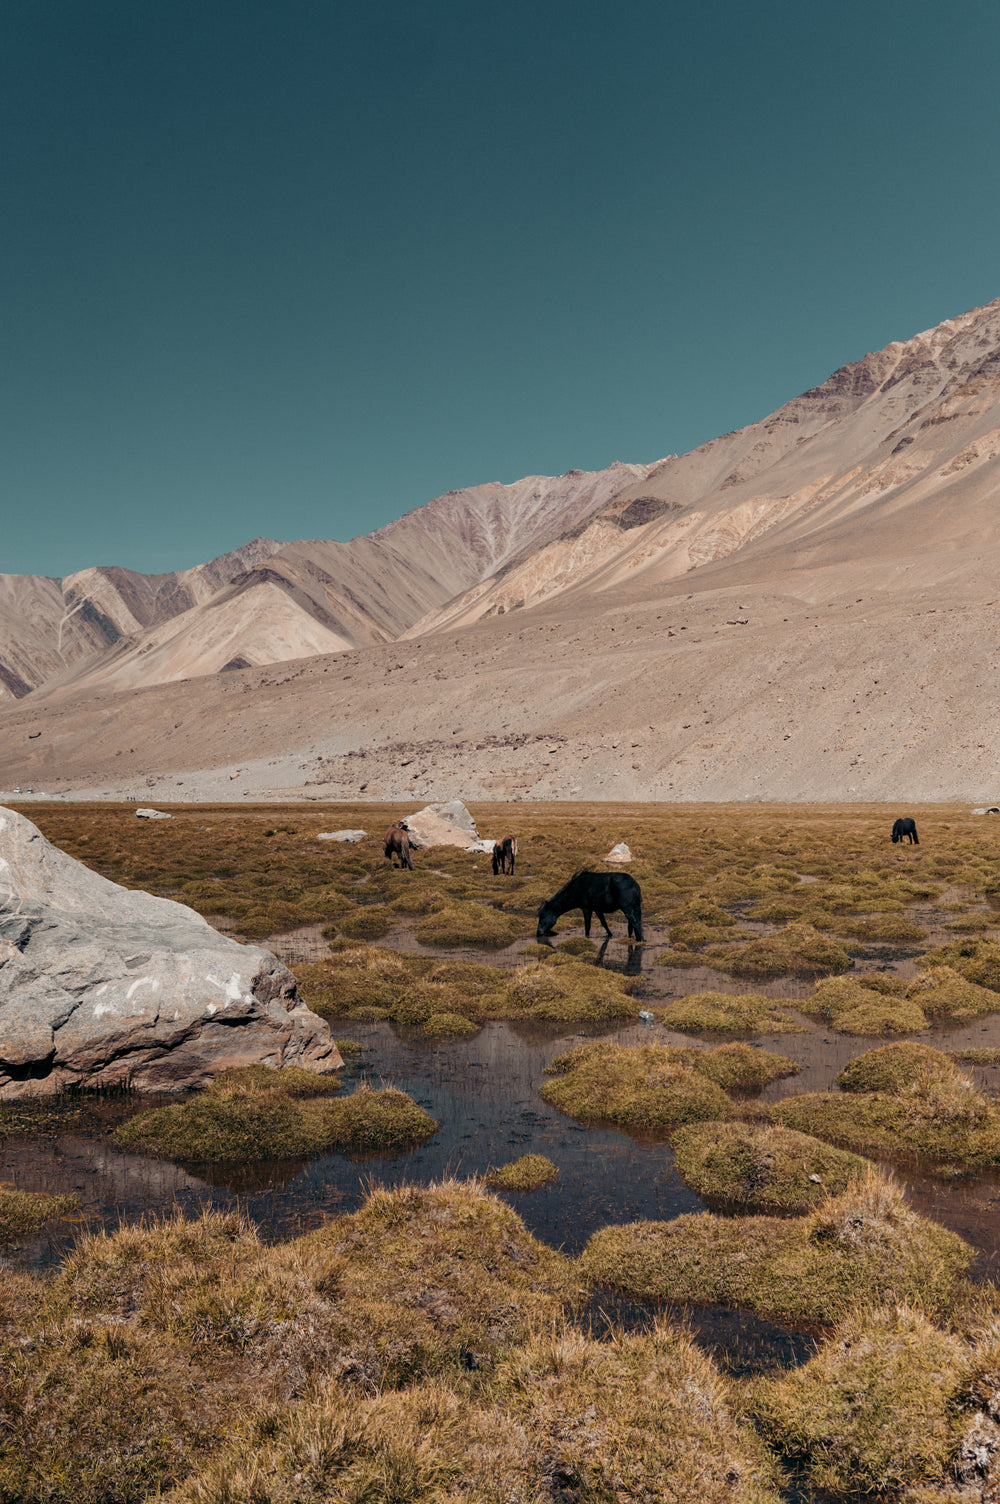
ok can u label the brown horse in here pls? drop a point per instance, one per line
(397, 843)
(504, 853)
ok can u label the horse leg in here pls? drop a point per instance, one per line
(586, 923)
(607, 927)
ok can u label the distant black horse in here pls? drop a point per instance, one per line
(397, 843)
(504, 855)
(597, 893)
(906, 827)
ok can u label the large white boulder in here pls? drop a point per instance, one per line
(100, 984)
(448, 824)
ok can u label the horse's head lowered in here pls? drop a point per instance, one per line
(547, 916)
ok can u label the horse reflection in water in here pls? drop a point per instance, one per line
(633, 962)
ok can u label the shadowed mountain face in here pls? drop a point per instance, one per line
(806, 608)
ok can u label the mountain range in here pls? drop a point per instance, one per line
(803, 608)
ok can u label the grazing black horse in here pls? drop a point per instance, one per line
(906, 827)
(597, 893)
(504, 854)
(397, 843)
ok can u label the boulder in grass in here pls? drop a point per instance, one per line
(152, 814)
(448, 824)
(101, 985)
(619, 853)
(350, 836)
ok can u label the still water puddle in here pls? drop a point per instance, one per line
(484, 1093)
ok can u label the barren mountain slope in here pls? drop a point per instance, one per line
(847, 647)
(316, 596)
(898, 450)
(478, 529)
(47, 625)
(868, 689)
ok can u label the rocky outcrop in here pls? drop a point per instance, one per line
(101, 985)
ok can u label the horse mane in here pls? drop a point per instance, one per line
(567, 886)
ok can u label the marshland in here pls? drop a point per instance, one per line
(530, 1244)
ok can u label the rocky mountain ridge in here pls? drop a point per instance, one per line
(806, 608)
(268, 602)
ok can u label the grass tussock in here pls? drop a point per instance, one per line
(903, 1098)
(24, 1213)
(372, 983)
(449, 1026)
(205, 1334)
(977, 961)
(254, 1121)
(564, 1417)
(643, 1086)
(474, 924)
(875, 1004)
(872, 1414)
(529, 1173)
(797, 950)
(760, 1169)
(728, 1013)
(568, 992)
(740, 1068)
(800, 1271)
(431, 1278)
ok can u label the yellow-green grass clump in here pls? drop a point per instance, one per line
(881, 929)
(241, 1123)
(529, 1173)
(368, 923)
(876, 1004)
(976, 960)
(976, 1056)
(351, 982)
(418, 897)
(564, 1416)
(973, 924)
(449, 1025)
(644, 1086)
(760, 1169)
(23, 1213)
(576, 945)
(801, 1271)
(350, 1049)
(903, 1098)
(861, 1005)
(699, 921)
(569, 991)
(728, 1013)
(371, 982)
(474, 924)
(797, 950)
(739, 1067)
(882, 1411)
(289, 1080)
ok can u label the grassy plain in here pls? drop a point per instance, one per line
(427, 1345)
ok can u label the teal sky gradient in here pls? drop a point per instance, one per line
(295, 268)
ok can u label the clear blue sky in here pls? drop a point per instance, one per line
(294, 267)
